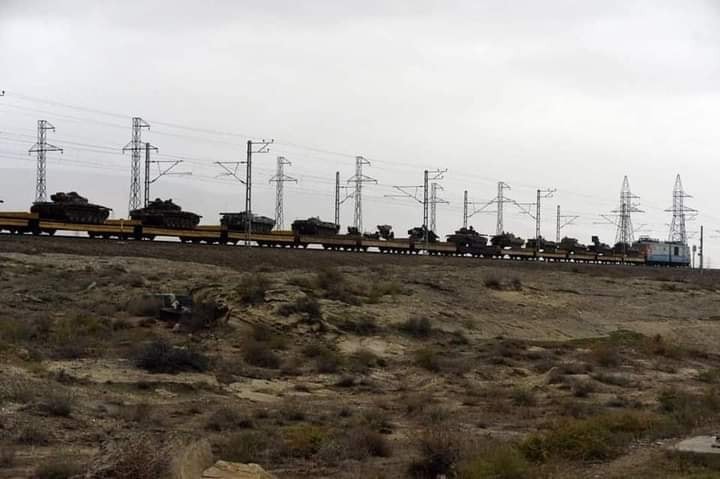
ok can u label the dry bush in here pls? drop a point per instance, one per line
(245, 447)
(57, 403)
(357, 443)
(267, 335)
(327, 360)
(160, 356)
(416, 327)
(439, 452)
(336, 286)
(252, 289)
(493, 282)
(227, 418)
(346, 381)
(7, 456)
(496, 461)
(689, 410)
(260, 355)
(581, 388)
(612, 379)
(600, 437)
(306, 306)
(145, 305)
(141, 413)
(140, 457)
(362, 325)
(33, 434)
(710, 376)
(377, 420)
(523, 397)
(303, 440)
(363, 359)
(58, 469)
(605, 355)
(18, 390)
(292, 410)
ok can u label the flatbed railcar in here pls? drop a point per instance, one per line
(16, 222)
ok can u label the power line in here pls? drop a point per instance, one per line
(359, 179)
(135, 146)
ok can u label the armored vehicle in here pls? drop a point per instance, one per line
(507, 240)
(314, 226)
(165, 214)
(238, 222)
(467, 238)
(72, 208)
(418, 234)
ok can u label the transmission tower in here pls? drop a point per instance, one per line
(135, 146)
(678, 233)
(561, 222)
(625, 233)
(501, 200)
(412, 192)
(162, 170)
(339, 201)
(280, 179)
(231, 169)
(359, 178)
(434, 201)
(467, 214)
(41, 148)
(541, 193)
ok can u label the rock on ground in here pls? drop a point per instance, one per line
(235, 470)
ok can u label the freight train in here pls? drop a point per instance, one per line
(164, 219)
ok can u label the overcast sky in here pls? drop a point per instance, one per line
(568, 94)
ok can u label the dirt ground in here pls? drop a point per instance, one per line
(350, 365)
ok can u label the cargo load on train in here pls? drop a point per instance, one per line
(507, 240)
(238, 222)
(314, 226)
(71, 208)
(418, 234)
(165, 214)
(467, 238)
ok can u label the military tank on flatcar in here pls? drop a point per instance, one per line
(238, 222)
(467, 238)
(314, 226)
(384, 232)
(507, 240)
(541, 244)
(72, 208)
(418, 234)
(599, 247)
(165, 214)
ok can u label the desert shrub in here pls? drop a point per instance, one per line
(303, 305)
(417, 403)
(265, 334)
(59, 469)
(367, 442)
(581, 388)
(345, 381)
(378, 289)
(57, 403)
(260, 355)
(364, 359)
(121, 324)
(17, 389)
(612, 379)
(227, 418)
(73, 336)
(605, 355)
(33, 434)
(493, 282)
(429, 359)
(252, 288)
(245, 447)
(523, 397)
(162, 357)
(600, 437)
(145, 305)
(7, 457)
(688, 409)
(336, 286)
(377, 420)
(303, 440)
(501, 461)
(329, 362)
(417, 327)
(143, 456)
(439, 453)
(292, 410)
(711, 376)
(362, 326)
(16, 330)
(141, 413)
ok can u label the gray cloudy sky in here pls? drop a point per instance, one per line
(565, 94)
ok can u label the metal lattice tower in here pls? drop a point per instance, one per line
(500, 200)
(678, 232)
(136, 147)
(434, 201)
(541, 193)
(359, 178)
(561, 222)
(625, 233)
(41, 148)
(280, 179)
